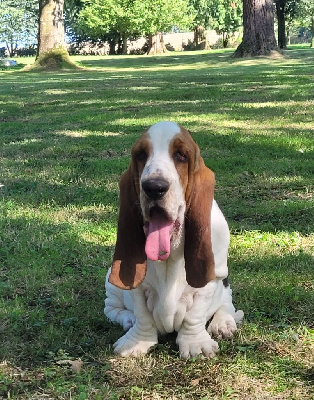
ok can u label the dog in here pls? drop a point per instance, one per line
(169, 270)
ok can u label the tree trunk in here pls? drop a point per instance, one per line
(280, 11)
(312, 31)
(11, 47)
(156, 44)
(200, 40)
(225, 39)
(51, 51)
(258, 29)
(112, 45)
(51, 26)
(124, 44)
(199, 35)
(288, 36)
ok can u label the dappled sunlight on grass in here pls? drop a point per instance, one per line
(65, 140)
(282, 243)
(84, 133)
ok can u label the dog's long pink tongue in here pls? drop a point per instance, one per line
(158, 238)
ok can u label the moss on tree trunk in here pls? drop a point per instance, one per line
(53, 60)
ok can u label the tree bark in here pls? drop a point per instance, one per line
(200, 40)
(258, 29)
(312, 31)
(156, 44)
(11, 47)
(288, 36)
(112, 45)
(51, 26)
(51, 51)
(124, 44)
(225, 39)
(199, 34)
(280, 11)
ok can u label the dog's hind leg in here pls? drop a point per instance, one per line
(225, 320)
(117, 308)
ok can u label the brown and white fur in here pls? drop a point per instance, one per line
(177, 279)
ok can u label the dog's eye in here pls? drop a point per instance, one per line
(141, 155)
(179, 156)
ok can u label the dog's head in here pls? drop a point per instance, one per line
(167, 190)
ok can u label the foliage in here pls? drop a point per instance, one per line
(202, 12)
(18, 23)
(71, 12)
(304, 13)
(298, 13)
(302, 10)
(132, 18)
(226, 16)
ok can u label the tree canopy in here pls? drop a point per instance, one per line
(132, 18)
(304, 13)
(117, 21)
(18, 23)
(225, 17)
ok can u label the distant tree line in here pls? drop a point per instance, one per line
(23, 23)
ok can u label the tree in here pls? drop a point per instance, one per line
(225, 17)
(132, 18)
(51, 26)
(51, 50)
(258, 29)
(99, 18)
(161, 16)
(305, 15)
(200, 22)
(18, 21)
(281, 19)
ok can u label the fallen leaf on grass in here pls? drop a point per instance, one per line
(196, 381)
(76, 365)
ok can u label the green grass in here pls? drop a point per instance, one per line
(65, 138)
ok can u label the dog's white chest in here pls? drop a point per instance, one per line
(168, 310)
(168, 296)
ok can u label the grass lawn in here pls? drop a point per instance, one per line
(65, 139)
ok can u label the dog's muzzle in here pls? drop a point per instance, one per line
(155, 188)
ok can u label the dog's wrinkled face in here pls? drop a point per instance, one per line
(163, 158)
(166, 198)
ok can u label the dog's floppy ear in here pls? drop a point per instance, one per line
(198, 253)
(129, 261)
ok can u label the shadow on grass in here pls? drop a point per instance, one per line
(186, 58)
(65, 140)
(262, 183)
(138, 62)
(52, 286)
(274, 290)
(52, 292)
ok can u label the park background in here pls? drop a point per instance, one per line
(65, 139)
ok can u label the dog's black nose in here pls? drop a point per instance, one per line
(155, 188)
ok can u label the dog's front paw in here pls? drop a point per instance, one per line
(192, 346)
(133, 344)
(223, 325)
(127, 320)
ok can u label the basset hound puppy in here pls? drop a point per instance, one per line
(169, 270)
